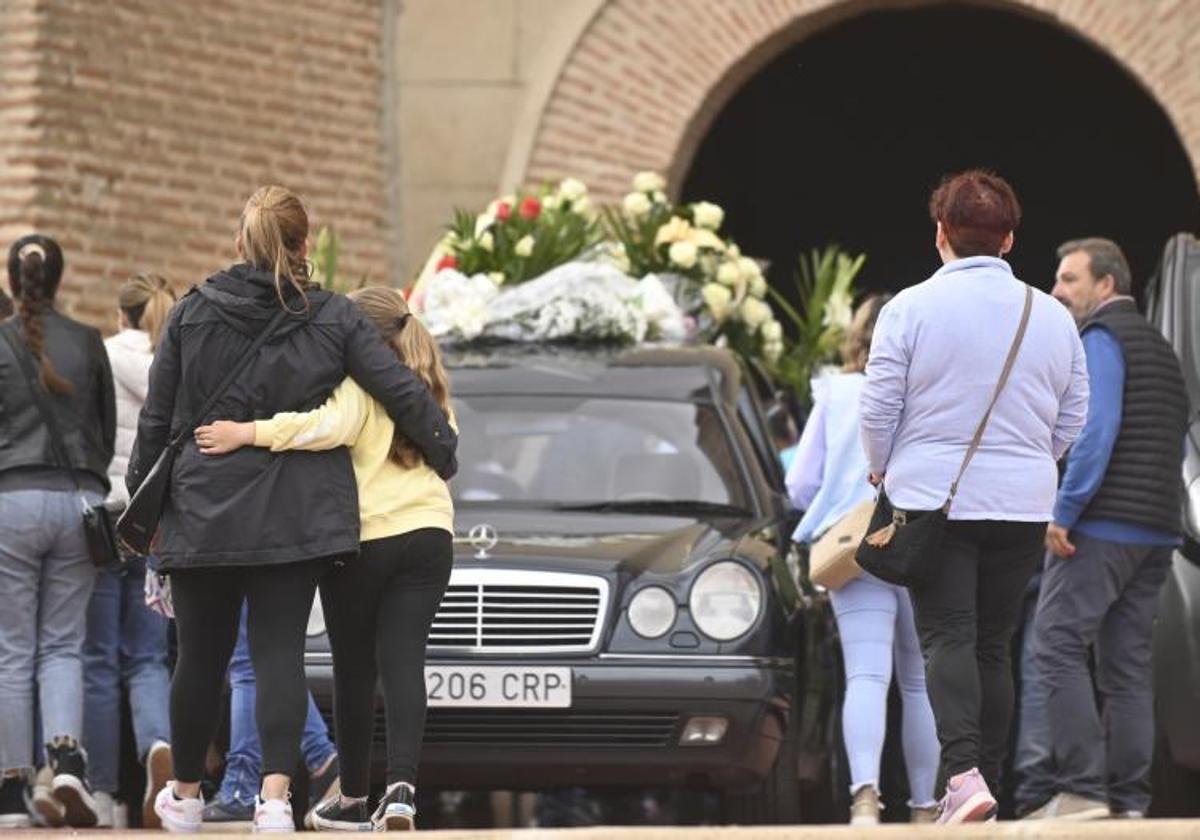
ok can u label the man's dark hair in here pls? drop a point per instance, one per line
(6, 305)
(1105, 258)
(977, 210)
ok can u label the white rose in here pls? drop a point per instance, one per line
(728, 274)
(636, 205)
(572, 189)
(758, 286)
(648, 182)
(524, 247)
(708, 215)
(497, 277)
(660, 197)
(583, 206)
(754, 312)
(486, 242)
(683, 254)
(551, 202)
(717, 298)
(772, 331)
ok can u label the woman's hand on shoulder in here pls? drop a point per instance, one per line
(224, 436)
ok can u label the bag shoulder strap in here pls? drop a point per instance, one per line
(24, 362)
(1000, 383)
(232, 375)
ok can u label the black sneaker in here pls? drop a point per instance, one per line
(69, 766)
(14, 803)
(322, 787)
(396, 811)
(336, 815)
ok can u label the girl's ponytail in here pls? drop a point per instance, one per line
(146, 299)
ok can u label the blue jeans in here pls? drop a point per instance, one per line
(46, 579)
(126, 643)
(1033, 764)
(243, 765)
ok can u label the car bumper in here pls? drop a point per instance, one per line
(623, 728)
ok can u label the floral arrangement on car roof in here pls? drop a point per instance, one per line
(543, 267)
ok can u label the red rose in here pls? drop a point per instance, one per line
(448, 261)
(530, 208)
(504, 211)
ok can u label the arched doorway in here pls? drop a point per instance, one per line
(842, 136)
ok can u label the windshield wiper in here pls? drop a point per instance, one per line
(659, 506)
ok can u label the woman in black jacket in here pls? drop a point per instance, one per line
(46, 573)
(255, 524)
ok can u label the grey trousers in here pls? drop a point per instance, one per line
(1102, 597)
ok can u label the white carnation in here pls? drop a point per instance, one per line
(708, 215)
(728, 274)
(648, 182)
(572, 189)
(754, 312)
(524, 246)
(717, 298)
(636, 205)
(683, 254)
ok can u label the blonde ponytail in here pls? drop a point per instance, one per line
(146, 299)
(415, 347)
(273, 231)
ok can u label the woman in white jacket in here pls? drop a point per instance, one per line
(126, 641)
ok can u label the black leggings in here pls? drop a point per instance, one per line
(966, 619)
(208, 604)
(379, 609)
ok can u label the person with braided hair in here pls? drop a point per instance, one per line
(126, 640)
(46, 572)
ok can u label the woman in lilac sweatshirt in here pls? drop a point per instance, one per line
(938, 350)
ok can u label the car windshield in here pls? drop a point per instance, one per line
(566, 451)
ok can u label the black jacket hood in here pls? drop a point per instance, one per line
(245, 298)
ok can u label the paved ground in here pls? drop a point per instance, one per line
(1101, 830)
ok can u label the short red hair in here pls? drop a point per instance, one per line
(977, 210)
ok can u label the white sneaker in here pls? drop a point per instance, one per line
(159, 770)
(179, 816)
(104, 809)
(273, 816)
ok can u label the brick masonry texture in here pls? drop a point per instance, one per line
(645, 79)
(134, 130)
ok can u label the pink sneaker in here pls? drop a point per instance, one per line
(967, 799)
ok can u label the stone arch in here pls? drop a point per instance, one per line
(628, 98)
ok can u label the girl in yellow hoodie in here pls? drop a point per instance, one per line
(378, 609)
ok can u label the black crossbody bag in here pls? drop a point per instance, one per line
(902, 546)
(97, 519)
(138, 525)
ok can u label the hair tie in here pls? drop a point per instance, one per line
(402, 320)
(31, 248)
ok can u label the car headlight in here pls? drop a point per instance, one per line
(725, 600)
(316, 618)
(652, 612)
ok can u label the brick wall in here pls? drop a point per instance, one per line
(134, 130)
(645, 79)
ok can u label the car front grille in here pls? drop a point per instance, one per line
(553, 728)
(519, 611)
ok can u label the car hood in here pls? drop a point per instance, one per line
(595, 542)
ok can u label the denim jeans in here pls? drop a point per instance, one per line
(879, 638)
(243, 765)
(46, 579)
(126, 643)
(1103, 599)
(1033, 764)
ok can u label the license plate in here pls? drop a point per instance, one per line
(495, 686)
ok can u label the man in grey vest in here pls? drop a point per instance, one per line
(1116, 520)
